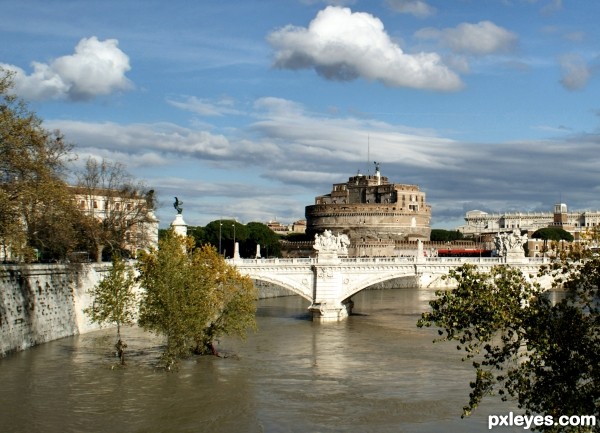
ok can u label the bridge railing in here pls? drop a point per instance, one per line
(300, 261)
(393, 259)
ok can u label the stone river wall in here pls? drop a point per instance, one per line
(44, 302)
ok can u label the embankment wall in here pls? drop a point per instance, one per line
(44, 302)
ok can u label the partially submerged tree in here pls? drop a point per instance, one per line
(114, 300)
(523, 346)
(192, 296)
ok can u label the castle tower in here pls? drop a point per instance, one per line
(371, 209)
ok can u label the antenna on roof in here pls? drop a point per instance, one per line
(368, 153)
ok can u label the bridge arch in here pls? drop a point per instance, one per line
(292, 286)
(361, 283)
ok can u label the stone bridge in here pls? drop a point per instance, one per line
(329, 281)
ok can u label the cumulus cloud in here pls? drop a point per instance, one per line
(575, 72)
(95, 68)
(417, 8)
(343, 45)
(478, 39)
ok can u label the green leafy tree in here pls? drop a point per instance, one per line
(553, 234)
(192, 296)
(222, 233)
(440, 235)
(522, 346)
(114, 300)
(260, 234)
(198, 234)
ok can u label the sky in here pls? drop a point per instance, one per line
(251, 109)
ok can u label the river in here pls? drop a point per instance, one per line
(374, 372)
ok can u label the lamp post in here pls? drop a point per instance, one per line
(220, 229)
(233, 236)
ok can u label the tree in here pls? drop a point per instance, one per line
(260, 234)
(36, 212)
(118, 210)
(522, 345)
(221, 234)
(115, 301)
(192, 296)
(198, 234)
(553, 234)
(440, 235)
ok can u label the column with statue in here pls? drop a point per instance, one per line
(178, 225)
(329, 282)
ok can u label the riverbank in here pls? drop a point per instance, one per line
(40, 303)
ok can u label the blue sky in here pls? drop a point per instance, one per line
(250, 109)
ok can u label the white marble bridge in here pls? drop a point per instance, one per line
(329, 281)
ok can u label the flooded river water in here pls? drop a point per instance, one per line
(374, 372)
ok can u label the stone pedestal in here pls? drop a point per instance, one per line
(327, 306)
(516, 257)
(179, 225)
(330, 312)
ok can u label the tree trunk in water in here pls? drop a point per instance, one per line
(99, 249)
(120, 346)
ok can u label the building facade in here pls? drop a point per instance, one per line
(126, 211)
(370, 209)
(575, 222)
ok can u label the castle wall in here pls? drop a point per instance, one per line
(369, 221)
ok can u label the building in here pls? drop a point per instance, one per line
(575, 222)
(283, 230)
(126, 211)
(278, 228)
(373, 213)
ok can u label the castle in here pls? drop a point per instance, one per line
(373, 212)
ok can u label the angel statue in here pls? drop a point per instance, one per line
(177, 205)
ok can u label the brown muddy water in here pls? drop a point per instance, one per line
(374, 372)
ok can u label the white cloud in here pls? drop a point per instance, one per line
(135, 139)
(575, 71)
(478, 39)
(344, 45)
(95, 68)
(417, 8)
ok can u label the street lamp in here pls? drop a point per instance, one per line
(220, 229)
(233, 254)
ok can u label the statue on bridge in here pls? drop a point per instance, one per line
(510, 245)
(329, 243)
(178, 205)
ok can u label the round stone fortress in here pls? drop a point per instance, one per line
(370, 209)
